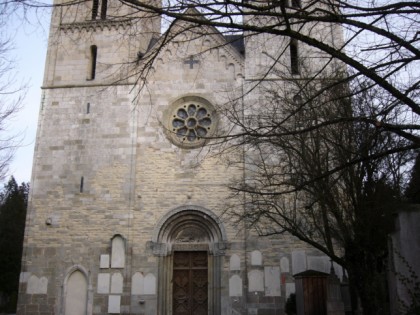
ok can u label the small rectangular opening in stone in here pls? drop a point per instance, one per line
(81, 184)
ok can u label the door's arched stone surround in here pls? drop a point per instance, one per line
(189, 228)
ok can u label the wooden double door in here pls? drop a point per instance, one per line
(190, 283)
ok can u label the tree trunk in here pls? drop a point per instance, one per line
(370, 284)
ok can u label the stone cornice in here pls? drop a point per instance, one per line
(95, 25)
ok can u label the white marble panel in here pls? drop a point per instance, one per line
(298, 261)
(37, 285)
(103, 283)
(284, 264)
(255, 281)
(272, 281)
(256, 258)
(114, 304)
(104, 261)
(24, 276)
(235, 286)
(32, 286)
(137, 284)
(118, 252)
(43, 285)
(150, 284)
(235, 262)
(117, 283)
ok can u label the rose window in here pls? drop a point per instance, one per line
(191, 123)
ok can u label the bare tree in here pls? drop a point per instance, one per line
(413, 189)
(380, 44)
(12, 93)
(376, 41)
(316, 180)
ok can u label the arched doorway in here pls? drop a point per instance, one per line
(190, 242)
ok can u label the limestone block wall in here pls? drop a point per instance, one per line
(109, 167)
(80, 197)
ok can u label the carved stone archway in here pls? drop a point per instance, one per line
(189, 228)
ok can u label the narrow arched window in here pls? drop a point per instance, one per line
(92, 64)
(95, 6)
(294, 57)
(104, 7)
(296, 4)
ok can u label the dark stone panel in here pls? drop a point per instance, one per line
(32, 308)
(39, 299)
(125, 300)
(252, 298)
(267, 299)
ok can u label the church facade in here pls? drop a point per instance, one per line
(127, 198)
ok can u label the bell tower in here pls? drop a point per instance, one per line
(84, 156)
(99, 39)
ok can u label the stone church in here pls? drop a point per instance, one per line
(125, 211)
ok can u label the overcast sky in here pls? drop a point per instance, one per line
(30, 42)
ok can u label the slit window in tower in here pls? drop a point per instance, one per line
(294, 60)
(81, 184)
(104, 7)
(95, 5)
(92, 65)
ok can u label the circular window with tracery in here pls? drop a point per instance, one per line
(191, 122)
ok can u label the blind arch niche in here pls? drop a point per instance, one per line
(76, 292)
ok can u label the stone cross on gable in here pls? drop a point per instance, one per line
(191, 62)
